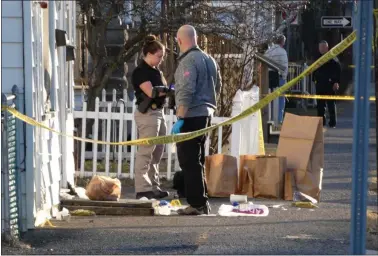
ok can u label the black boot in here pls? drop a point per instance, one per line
(190, 210)
(161, 194)
(147, 194)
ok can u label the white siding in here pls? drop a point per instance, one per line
(23, 64)
(55, 165)
(12, 71)
(12, 55)
(47, 149)
(12, 46)
(12, 30)
(10, 77)
(11, 9)
(65, 84)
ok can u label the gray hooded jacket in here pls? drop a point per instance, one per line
(197, 83)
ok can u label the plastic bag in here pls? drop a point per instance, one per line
(246, 210)
(102, 188)
(302, 197)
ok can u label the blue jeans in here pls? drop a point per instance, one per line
(281, 104)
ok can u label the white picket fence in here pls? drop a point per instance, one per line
(114, 122)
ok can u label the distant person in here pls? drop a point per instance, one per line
(151, 91)
(327, 80)
(198, 82)
(278, 54)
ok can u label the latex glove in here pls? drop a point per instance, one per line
(177, 126)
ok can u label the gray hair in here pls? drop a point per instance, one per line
(281, 39)
(323, 42)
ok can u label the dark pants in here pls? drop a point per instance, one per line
(191, 156)
(331, 105)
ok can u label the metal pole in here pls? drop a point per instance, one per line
(361, 123)
(376, 71)
(5, 202)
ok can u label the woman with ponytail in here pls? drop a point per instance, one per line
(151, 91)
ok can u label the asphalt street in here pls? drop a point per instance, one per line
(288, 230)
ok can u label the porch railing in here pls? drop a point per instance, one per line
(9, 177)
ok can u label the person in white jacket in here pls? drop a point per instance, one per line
(278, 54)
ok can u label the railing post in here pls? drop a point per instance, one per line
(305, 81)
(237, 105)
(20, 159)
(5, 204)
(9, 197)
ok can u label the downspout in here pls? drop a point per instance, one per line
(64, 87)
(28, 106)
(22, 140)
(51, 6)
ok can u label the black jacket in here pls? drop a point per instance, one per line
(327, 75)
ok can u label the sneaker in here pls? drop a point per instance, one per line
(147, 194)
(161, 194)
(190, 210)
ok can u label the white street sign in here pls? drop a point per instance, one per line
(336, 22)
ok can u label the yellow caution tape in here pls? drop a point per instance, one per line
(353, 66)
(261, 136)
(335, 51)
(48, 223)
(324, 97)
(304, 205)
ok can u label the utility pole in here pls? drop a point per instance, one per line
(361, 123)
(375, 63)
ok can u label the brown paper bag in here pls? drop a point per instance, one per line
(246, 168)
(102, 188)
(221, 175)
(268, 177)
(301, 142)
(289, 185)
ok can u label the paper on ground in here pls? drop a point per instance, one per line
(226, 210)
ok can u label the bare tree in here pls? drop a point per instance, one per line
(242, 29)
(224, 27)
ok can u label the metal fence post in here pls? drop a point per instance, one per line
(4, 170)
(9, 184)
(20, 160)
(361, 122)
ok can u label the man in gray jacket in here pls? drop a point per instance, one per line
(197, 83)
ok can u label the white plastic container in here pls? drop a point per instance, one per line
(238, 198)
(163, 210)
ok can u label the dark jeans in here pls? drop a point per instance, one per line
(191, 156)
(326, 89)
(331, 104)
